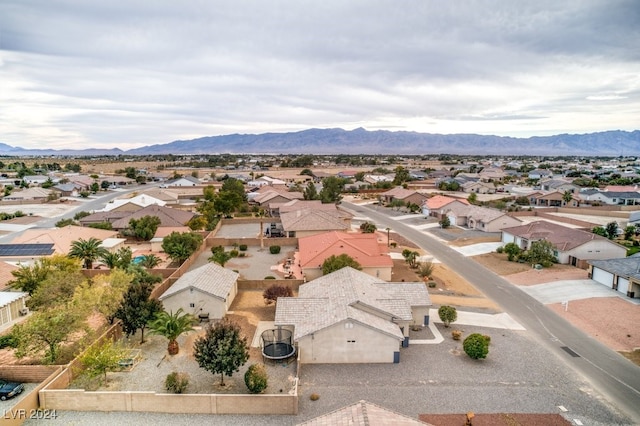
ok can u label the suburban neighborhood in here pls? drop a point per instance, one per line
(340, 289)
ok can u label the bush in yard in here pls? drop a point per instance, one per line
(274, 249)
(234, 253)
(500, 250)
(314, 397)
(242, 247)
(176, 382)
(272, 293)
(431, 284)
(512, 251)
(256, 378)
(456, 334)
(425, 269)
(8, 341)
(269, 277)
(447, 314)
(476, 346)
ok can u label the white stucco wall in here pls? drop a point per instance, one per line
(203, 303)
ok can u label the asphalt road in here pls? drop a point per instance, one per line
(617, 379)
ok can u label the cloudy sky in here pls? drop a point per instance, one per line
(116, 73)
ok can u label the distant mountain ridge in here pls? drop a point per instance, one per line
(361, 141)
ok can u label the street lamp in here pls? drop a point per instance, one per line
(388, 240)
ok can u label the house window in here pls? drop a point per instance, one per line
(192, 305)
(348, 325)
(351, 341)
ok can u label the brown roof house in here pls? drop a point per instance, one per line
(62, 238)
(437, 205)
(302, 223)
(275, 196)
(205, 292)
(573, 246)
(372, 256)
(351, 317)
(405, 195)
(168, 217)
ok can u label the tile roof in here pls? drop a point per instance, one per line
(362, 413)
(399, 193)
(315, 220)
(439, 201)
(478, 213)
(62, 237)
(364, 248)
(348, 294)
(624, 267)
(561, 237)
(265, 197)
(142, 200)
(167, 216)
(211, 278)
(5, 274)
(297, 204)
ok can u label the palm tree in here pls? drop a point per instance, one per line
(150, 261)
(87, 250)
(111, 260)
(567, 196)
(171, 326)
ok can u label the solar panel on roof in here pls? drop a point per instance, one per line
(16, 250)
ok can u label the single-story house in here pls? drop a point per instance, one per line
(573, 246)
(553, 199)
(621, 275)
(132, 204)
(540, 174)
(29, 194)
(480, 218)
(205, 292)
(351, 317)
(168, 217)
(302, 223)
(365, 249)
(61, 238)
(559, 185)
(438, 204)
(479, 187)
(182, 181)
(630, 198)
(275, 196)
(405, 195)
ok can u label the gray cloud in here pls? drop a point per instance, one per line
(125, 74)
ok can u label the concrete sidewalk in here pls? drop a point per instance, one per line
(501, 320)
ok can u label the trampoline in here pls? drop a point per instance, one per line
(277, 344)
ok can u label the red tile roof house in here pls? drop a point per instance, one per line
(437, 205)
(573, 246)
(363, 248)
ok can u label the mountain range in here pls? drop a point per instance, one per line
(361, 141)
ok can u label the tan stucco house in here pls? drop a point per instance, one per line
(351, 317)
(205, 292)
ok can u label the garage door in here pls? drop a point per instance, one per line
(623, 285)
(603, 277)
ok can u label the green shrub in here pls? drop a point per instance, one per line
(242, 247)
(500, 249)
(447, 314)
(431, 284)
(8, 341)
(476, 346)
(176, 382)
(217, 249)
(274, 249)
(242, 254)
(233, 253)
(269, 277)
(314, 397)
(256, 378)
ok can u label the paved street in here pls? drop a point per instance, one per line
(608, 372)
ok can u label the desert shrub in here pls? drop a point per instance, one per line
(394, 244)
(233, 253)
(447, 314)
(456, 334)
(242, 254)
(425, 269)
(272, 293)
(476, 346)
(217, 249)
(314, 397)
(256, 378)
(431, 284)
(176, 382)
(274, 249)
(269, 277)
(242, 247)
(500, 249)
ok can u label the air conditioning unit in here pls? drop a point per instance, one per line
(23, 311)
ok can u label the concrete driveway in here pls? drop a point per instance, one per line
(566, 290)
(476, 249)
